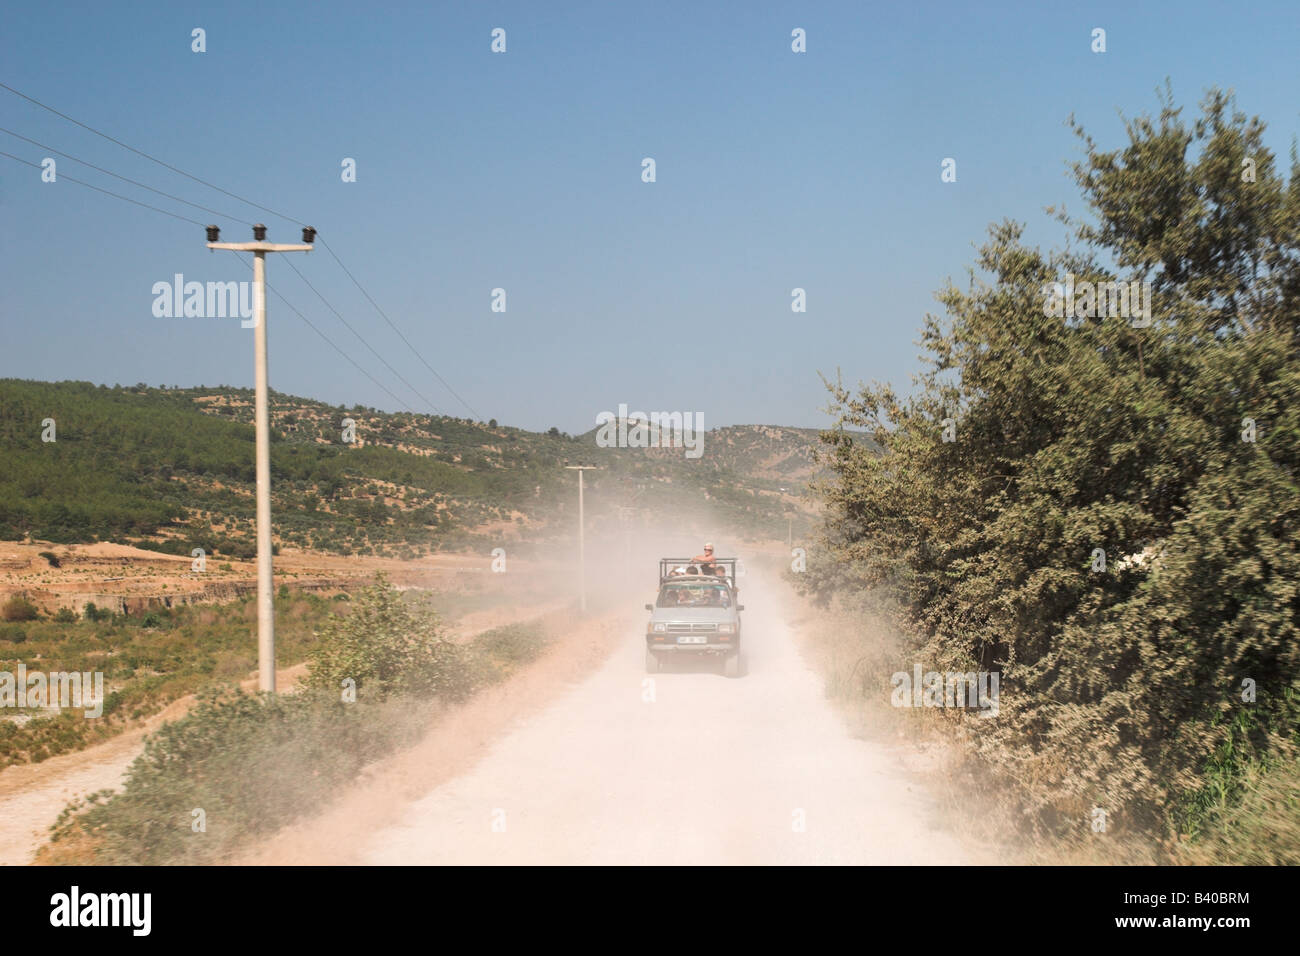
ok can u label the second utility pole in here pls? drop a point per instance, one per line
(261, 417)
(582, 545)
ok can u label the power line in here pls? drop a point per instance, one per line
(290, 305)
(396, 329)
(155, 159)
(106, 192)
(249, 202)
(330, 341)
(360, 337)
(109, 172)
(237, 219)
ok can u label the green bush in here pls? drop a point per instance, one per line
(92, 613)
(388, 645)
(1262, 827)
(18, 609)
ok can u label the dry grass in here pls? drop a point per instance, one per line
(1263, 829)
(856, 650)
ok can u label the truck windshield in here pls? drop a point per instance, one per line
(694, 595)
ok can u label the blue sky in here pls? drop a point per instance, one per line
(522, 171)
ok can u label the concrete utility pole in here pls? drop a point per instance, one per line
(582, 544)
(261, 417)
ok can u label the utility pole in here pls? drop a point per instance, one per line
(582, 544)
(261, 418)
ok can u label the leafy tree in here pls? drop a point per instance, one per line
(983, 501)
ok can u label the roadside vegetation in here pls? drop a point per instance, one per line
(381, 670)
(148, 660)
(1105, 512)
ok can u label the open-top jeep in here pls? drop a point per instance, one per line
(696, 613)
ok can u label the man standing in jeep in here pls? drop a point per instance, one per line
(705, 561)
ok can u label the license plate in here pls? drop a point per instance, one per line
(693, 639)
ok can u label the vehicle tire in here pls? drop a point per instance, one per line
(652, 662)
(731, 667)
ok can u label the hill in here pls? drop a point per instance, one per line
(171, 469)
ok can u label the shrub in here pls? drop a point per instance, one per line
(388, 645)
(18, 608)
(512, 644)
(252, 762)
(93, 613)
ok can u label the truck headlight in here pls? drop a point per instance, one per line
(658, 628)
(726, 629)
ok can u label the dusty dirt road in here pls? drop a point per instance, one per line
(683, 767)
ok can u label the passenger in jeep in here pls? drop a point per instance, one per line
(705, 560)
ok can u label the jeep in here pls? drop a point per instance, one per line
(696, 614)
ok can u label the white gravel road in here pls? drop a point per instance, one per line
(680, 767)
